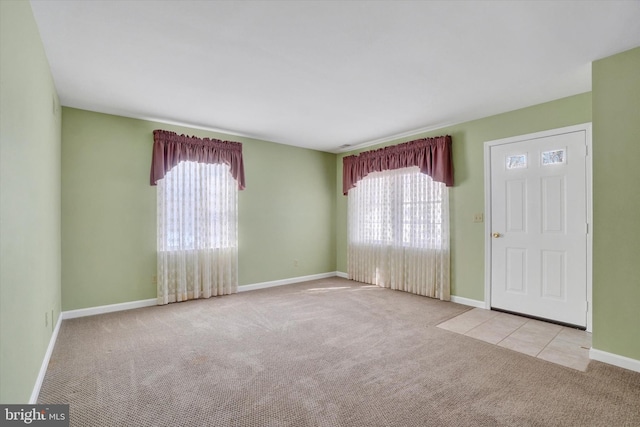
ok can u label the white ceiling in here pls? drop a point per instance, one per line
(322, 74)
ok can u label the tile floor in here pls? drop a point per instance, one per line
(558, 344)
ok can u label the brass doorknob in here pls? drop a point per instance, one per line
(496, 235)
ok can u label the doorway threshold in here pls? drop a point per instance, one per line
(542, 319)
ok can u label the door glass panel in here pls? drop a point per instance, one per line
(553, 157)
(517, 161)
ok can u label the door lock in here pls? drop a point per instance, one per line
(496, 235)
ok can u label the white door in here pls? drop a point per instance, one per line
(538, 226)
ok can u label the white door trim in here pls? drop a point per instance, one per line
(586, 127)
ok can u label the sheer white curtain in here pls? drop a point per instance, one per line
(398, 232)
(197, 232)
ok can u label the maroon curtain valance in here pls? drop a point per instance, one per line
(169, 149)
(432, 155)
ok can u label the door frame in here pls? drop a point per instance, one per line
(586, 127)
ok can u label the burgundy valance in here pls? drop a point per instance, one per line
(169, 149)
(432, 155)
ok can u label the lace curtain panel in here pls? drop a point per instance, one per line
(197, 232)
(398, 232)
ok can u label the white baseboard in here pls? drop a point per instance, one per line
(82, 312)
(341, 274)
(72, 314)
(468, 301)
(281, 282)
(614, 359)
(45, 363)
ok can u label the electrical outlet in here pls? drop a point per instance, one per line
(154, 280)
(295, 262)
(478, 217)
(46, 319)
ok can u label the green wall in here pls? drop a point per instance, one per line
(29, 202)
(616, 210)
(286, 213)
(467, 196)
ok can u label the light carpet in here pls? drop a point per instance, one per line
(331, 352)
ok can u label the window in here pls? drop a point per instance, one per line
(553, 157)
(398, 232)
(197, 209)
(197, 222)
(398, 216)
(400, 207)
(197, 232)
(517, 162)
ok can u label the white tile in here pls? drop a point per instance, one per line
(538, 326)
(521, 346)
(497, 328)
(468, 320)
(570, 360)
(536, 333)
(553, 343)
(576, 336)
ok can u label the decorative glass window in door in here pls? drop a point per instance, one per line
(516, 162)
(553, 157)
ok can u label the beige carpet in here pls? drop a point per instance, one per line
(325, 353)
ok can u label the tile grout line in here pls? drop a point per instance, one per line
(513, 332)
(547, 344)
(479, 324)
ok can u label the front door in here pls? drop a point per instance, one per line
(538, 226)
